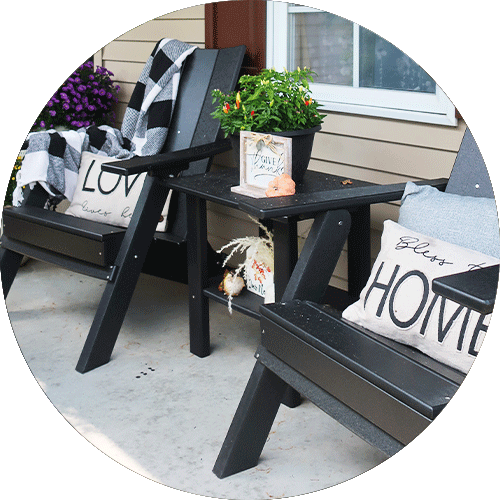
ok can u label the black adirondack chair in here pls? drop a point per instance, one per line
(116, 254)
(384, 392)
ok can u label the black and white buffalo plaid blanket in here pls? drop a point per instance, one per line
(53, 158)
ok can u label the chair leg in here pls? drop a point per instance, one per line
(128, 265)
(197, 250)
(9, 265)
(251, 423)
(292, 398)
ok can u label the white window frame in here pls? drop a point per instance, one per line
(410, 106)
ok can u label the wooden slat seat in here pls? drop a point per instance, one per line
(81, 239)
(394, 378)
(93, 241)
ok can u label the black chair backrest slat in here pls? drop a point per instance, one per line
(223, 80)
(192, 114)
(469, 176)
(195, 78)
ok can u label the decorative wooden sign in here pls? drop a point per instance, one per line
(262, 158)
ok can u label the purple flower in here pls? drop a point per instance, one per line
(84, 98)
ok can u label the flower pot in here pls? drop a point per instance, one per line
(302, 143)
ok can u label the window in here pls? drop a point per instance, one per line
(357, 71)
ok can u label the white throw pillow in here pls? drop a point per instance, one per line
(398, 301)
(106, 197)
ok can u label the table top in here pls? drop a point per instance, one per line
(473, 289)
(317, 192)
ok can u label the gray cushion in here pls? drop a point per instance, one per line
(463, 220)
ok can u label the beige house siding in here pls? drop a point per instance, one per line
(383, 151)
(377, 150)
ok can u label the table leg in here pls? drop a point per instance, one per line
(285, 253)
(359, 251)
(199, 327)
(285, 257)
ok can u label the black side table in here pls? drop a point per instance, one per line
(317, 193)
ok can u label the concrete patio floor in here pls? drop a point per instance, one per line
(163, 413)
(157, 409)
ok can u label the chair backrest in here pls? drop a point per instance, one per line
(469, 176)
(192, 125)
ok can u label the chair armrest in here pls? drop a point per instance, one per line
(473, 289)
(167, 163)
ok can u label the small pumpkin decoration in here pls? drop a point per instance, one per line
(282, 185)
(232, 284)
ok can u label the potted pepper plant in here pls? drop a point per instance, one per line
(273, 102)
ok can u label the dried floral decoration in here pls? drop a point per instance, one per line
(257, 248)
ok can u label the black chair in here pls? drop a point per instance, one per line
(116, 254)
(383, 391)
